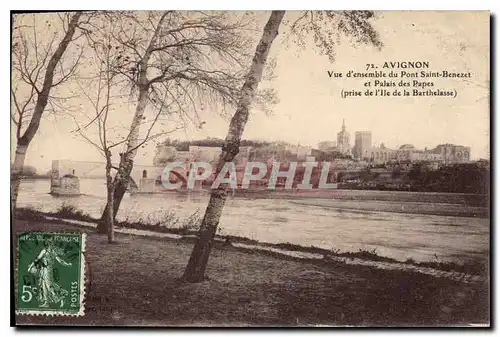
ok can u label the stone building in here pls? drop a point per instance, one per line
(164, 154)
(343, 141)
(63, 179)
(205, 153)
(441, 154)
(327, 146)
(406, 152)
(362, 145)
(453, 154)
(301, 152)
(381, 155)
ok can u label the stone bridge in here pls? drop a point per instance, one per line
(67, 176)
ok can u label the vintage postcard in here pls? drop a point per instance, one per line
(251, 168)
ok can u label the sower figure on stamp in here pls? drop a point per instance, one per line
(43, 268)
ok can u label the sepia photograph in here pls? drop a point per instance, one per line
(285, 168)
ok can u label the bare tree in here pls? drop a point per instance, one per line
(188, 59)
(325, 28)
(195, 270)
(106, 100)
(101, 102)
(38, 68)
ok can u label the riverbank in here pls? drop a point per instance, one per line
(135, 282)
(444, 204)
(408, 207)
(188, 230)
(466, 199)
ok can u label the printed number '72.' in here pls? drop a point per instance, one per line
(370, 66)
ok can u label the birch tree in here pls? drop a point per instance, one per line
(195, 59)
(325, 29)
(38, 69)
(195, 270)
(101, 128)
(102, 105)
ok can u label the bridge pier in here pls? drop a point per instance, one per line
(147, 185)
(63, 180)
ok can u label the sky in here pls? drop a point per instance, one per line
(311, 108)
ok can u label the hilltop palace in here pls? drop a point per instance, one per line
(363, 152)
(339, 155)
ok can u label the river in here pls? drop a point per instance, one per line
(311, 222)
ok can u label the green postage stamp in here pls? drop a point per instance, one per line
(51, 273)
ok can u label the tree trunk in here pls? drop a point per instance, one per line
(17, 171)
(120, 184)
(195, 269)
(127, 158)
(41, 102)
(110, 219)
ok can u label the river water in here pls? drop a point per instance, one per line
(397, 235)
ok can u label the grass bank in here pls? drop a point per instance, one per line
(136, 282)
(188, 228)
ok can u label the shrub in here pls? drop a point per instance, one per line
(28, 213)
(71, 212)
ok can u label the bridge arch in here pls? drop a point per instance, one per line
(132, 185)
(179, 176)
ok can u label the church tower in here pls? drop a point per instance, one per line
(343, 143)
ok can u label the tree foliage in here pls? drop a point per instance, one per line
(324, 30)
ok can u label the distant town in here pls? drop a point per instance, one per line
(447, 167)
(340, 152)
